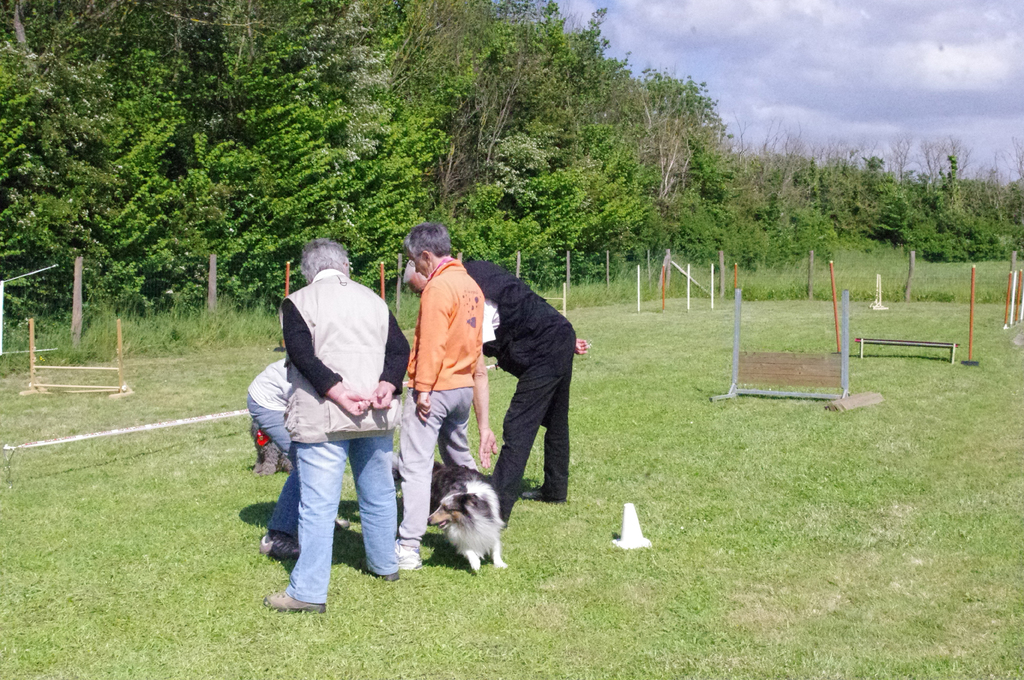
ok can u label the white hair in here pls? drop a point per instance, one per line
(323, 253)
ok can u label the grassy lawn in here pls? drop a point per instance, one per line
(788, 541)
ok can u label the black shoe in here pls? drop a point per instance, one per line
(538, 495)
(382, 577)
(279, 545)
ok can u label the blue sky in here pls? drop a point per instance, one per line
(829, 74)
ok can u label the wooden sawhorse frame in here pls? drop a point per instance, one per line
(121, 389)
(790, 369)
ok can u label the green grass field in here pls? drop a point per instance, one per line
(788, 541)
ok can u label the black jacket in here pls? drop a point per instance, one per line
(530, 331)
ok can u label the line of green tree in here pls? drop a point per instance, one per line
(147, 135)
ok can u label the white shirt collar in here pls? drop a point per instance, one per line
(324, 273)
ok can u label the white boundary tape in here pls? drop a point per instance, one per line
(126, 430)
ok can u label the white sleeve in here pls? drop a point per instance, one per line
(491, 320)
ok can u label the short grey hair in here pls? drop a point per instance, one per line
(428, 236)
(320, 254)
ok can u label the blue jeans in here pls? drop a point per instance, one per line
(272, 424)
(320, 470)
(286, 512)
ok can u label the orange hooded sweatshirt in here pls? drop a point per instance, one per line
(449, 335)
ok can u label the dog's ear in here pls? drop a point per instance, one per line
(478, 506)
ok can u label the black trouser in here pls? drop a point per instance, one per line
(541, 398)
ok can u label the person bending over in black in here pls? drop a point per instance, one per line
(534, 342)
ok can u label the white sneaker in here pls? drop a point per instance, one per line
(408, 558)
(266, 544)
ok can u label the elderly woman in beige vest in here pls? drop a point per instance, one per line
(346, 360)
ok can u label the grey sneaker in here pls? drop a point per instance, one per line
(279, 545)
(283, 602)
(408, 558)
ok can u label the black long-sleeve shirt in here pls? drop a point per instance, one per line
(298, 340)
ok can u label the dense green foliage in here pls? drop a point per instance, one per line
(145, 136)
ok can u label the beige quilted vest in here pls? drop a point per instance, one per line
(349, 325)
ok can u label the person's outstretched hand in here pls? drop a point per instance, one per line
(488, 445)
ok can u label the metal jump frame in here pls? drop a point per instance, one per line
(735, 391)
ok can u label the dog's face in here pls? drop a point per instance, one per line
(459, 508)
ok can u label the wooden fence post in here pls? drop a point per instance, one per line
(668, 268)
(810, 276)
(519, 262)
(76, 305)
(211, 286)
(287, 277)
(607, 270)
(721, 275)
(648, 267)
(910, 276)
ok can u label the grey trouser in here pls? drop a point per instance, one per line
(448, 427)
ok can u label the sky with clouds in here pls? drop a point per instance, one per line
(835, 72)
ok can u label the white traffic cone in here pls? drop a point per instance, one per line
(631, 536)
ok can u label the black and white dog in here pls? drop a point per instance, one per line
(466, 509)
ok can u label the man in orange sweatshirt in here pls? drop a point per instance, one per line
(447, 343)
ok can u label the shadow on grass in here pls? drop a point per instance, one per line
(444, 553)
(257, 514)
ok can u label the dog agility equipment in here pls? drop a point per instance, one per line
(127, 430)
(970, 334)
(631, 536)
(563, 299)
(909, 343)
(1014, 288)
(877, 304)
(789, 369)
(121, 389)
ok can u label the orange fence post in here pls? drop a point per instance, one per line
(663, 288)
(970, 334)
(381, 280)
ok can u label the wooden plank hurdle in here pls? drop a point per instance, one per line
(121, 389)
(790, 369)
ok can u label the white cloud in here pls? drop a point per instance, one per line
(946, 68)
(831, 69)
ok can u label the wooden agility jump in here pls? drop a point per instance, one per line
(789, 369)
(121, 389)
